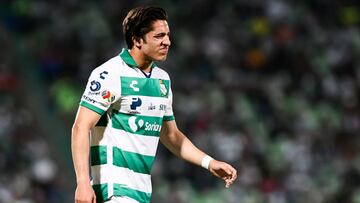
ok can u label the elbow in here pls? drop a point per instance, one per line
(78, 129)
(177, 139)
(74, 129)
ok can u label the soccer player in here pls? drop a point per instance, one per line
(126, 109)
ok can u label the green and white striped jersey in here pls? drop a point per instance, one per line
(133, 106)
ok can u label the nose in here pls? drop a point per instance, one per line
(166, 41)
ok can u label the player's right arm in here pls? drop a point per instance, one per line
(84, 121)
(101, 91)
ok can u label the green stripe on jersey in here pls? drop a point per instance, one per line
(133, 161)
(169, 118)
(144, 86)
(98, 155)
(101, 192)
(137, 195)
(92, 107)
(142, 125)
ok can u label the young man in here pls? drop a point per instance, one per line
(127, 109)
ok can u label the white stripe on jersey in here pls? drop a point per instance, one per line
(144, 145)
(151, 106)
(136, 181)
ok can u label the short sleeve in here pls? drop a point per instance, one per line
(101, 91)
(169, 114)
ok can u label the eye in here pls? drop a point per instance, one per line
(159, 36)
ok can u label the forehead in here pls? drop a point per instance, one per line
(160, 26)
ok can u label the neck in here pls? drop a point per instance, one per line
(141, 61)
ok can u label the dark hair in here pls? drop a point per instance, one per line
(139, 21)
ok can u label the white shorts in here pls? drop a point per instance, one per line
(123, 199)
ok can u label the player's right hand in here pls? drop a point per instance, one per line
(84, 193)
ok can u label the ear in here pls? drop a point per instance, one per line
(137, 42)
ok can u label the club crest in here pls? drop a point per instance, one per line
(163, 89)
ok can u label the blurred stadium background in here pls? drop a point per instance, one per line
(270, 86)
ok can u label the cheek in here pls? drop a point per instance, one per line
(151, 47)
(153, 43)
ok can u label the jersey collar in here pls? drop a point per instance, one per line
(128, 59)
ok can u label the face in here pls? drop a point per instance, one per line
(156, 45)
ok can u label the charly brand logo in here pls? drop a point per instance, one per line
(162, 88)
(135, 125)
(95, 86)
(103, 74)
(132, 85)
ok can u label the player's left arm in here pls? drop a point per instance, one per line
(181, 146)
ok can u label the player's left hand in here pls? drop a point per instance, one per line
(224, 171)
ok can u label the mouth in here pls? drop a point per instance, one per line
(164, 50)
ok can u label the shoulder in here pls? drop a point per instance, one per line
(111, 65)
(160, 73)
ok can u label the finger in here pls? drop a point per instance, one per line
(228, 170)
(216, 174)
(232, 169)
(230, 179)
(231, 182)
(227, 183)
(234, 177)
(233, 172)
(225, 170)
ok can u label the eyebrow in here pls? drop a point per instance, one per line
(162, 34)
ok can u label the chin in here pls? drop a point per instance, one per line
(162, 58)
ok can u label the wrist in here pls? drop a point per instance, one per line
(205, 162)
(85, 180)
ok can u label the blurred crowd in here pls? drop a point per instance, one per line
(269, 86)
(28, 171)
